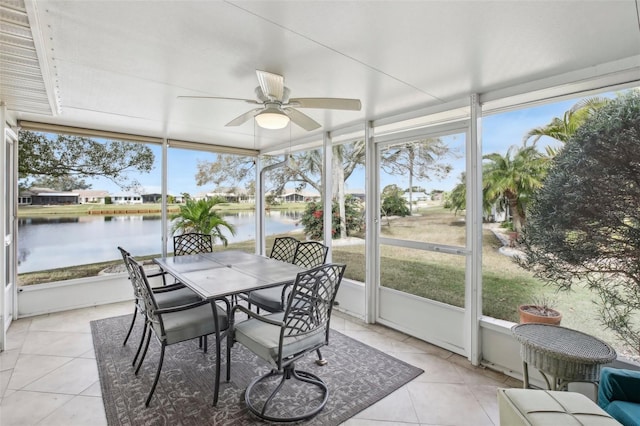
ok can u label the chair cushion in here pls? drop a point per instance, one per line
(181, 296)
(190, 323)
(627, 413)
(263, 338)
(269, 299)
(549, 408)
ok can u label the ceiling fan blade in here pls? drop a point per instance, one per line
(244, 117)
(327, 103)
(249, 101)
(272, 84)
(301, 119)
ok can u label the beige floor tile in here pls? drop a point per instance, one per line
(93, 390)
(5, 376)
(28, 408)
(337, 323)
(112, 310)
(79, 411)
(72, 378)
(30, 368)
(57, 343)
(380, 341)
(15, 339)
(69, 321)
(90, 354)
(18, 326)
(395, 407)
(428, 348)
(56, 372)
(511, 382)
(480, 377)
(436, 369)
(487, 396)
(446, 403)
(367, 422)
(8, 359)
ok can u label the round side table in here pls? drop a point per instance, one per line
(564, 354)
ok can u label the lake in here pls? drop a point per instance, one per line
(55, 242)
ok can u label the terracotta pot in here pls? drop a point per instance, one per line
(528, 315)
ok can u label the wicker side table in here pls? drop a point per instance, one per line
(564, 354)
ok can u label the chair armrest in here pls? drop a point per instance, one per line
(182, 307)
(170, 287)
(255, 316)
(284, 297)
(159, 274)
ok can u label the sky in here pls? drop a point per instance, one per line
(499, 132)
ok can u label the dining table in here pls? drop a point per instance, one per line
(221, 274)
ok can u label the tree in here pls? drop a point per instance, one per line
(393, 203)
(227, 170)
(419, 159)
(514, 177)
(57, 156)
(584, 223)
(561, 129)
(457, 198)
(60, 183)
(304, 170)
(200, 216)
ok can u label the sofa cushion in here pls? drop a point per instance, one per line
(627, 413)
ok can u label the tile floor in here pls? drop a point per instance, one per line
(48, 376)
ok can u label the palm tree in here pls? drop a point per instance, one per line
(199, 216)
(514, 176)
(561, 129)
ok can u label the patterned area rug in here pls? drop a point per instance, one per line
(356, 374)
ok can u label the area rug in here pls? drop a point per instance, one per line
(357, 376)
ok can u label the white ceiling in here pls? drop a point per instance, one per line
(119, 65)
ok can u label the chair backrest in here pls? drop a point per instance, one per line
(310, 302)
(284, 249)
(143, 289)
(310, 254)
(192, 243)
(125, 254)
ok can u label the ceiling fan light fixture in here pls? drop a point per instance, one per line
(272, 119)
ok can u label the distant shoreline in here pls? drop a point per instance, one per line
(145, 208)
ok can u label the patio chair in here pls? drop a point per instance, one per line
(284, 249)
(192, 243)
(166, 296)
(310, 254)
(180, 323)
(307, 255)
(283, 338)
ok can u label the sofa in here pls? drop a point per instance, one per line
(619, 395)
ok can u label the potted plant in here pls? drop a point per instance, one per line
(540, 310)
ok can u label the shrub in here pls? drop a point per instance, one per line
(583, 225)
(394, 204)
(313, 217)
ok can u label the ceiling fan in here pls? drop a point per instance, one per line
(277, 108)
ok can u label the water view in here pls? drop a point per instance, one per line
(56, 242)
